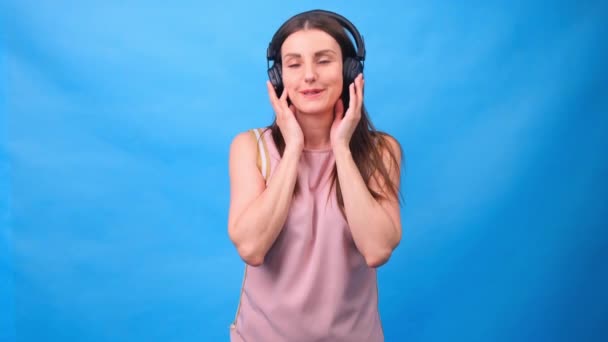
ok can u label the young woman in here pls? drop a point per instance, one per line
(314, 206)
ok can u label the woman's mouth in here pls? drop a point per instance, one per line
(311, 93)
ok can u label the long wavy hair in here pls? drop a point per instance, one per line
(367, 144)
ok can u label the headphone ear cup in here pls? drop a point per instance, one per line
(274, 75)
(352, 68)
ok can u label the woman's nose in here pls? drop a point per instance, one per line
(309, 73)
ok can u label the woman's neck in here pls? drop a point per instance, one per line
(316, 129)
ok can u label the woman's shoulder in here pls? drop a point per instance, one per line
(248, 141)
(243, 137)
(387, 143)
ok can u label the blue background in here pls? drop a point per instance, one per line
(116, 120)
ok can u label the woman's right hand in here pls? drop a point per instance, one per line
(286, 119)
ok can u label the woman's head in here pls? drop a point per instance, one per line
(317, 36)
(310, 52)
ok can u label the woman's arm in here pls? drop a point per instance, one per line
(257, 212)
(375, 224)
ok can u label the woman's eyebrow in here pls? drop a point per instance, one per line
(325, 52)
(292, 55)
(318, 53)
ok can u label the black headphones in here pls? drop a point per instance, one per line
(352, 67)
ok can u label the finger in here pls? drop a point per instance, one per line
(283, 97)
(338, 112)
(272, 94)
(283, 101)
(339, 109)
(360, 93)
(352, 98)
(362, 85)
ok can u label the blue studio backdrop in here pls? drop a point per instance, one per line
(116, 120)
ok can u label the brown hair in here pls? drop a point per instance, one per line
(367, 144)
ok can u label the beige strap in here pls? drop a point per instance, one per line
(238, 308)
(263, 160)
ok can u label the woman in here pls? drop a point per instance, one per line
(314, 206)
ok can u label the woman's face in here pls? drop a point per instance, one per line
(312, 70)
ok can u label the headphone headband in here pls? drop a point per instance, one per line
(360, 45)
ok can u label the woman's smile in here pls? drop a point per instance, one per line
(311, 94)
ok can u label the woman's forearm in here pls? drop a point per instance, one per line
(374, 232)
(256, 229)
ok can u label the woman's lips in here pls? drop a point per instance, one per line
(311, 93)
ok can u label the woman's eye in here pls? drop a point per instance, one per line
(324, 61)
(295, 65)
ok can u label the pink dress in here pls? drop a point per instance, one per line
(314, 285)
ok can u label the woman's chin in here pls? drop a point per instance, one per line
(312, 108)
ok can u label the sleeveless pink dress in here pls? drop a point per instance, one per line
(314, 285)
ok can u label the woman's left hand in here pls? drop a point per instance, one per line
(344, 124)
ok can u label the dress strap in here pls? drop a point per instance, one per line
(263, 159)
